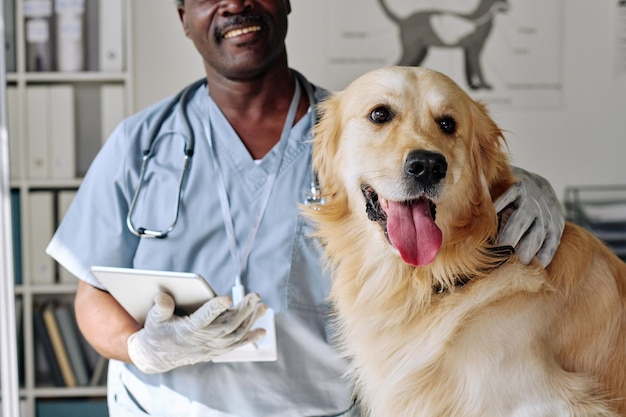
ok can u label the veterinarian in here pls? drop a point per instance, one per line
(233, 218)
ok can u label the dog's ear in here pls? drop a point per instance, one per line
(487, 149)
(327, 132)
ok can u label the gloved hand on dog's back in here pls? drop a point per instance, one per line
(536, 225)
(169, 341)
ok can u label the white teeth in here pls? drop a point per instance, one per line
(242, 31)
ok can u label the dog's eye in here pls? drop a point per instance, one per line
(381, 114)
(447, 125)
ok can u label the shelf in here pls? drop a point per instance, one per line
(57, 122)
(69, 392)
(53, 289)
(47, 184)
(70, 77)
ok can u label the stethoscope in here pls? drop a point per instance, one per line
(313, 198)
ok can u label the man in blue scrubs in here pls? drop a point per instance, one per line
(238, 226)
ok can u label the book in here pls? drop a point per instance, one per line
(70, 48)
(70, 336)
(37, 115)
(19, 332)
(96, 364)
(60, 351)
(13, 127)
(18, 319)
(38, 34)
(46, 366)
(41, 221)
(110, 35)
(98, 376)
(9, 36)
(61, 132)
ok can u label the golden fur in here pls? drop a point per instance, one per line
(514, 340)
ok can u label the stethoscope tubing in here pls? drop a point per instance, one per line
(180, 100)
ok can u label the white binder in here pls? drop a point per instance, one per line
(62, 138)
(41, 212)
(112, 108)
(37, 117)
(111, 36)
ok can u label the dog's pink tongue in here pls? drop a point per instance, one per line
(413, 232)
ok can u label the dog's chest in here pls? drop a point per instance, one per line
(457, 360)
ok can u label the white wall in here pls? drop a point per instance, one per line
(582, 143)
(164, 60)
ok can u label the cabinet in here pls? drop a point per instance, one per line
(69, 82)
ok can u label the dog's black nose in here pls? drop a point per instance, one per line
(428, 168)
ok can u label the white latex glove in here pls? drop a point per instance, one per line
(168, 341)
(536, 225)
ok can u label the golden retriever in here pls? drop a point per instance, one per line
(436, 318)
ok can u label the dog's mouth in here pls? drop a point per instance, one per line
(408, 225)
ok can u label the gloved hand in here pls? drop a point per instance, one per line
(536, 225)
(168, 341)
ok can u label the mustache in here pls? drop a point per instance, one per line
(239, 20)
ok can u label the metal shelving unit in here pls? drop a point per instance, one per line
(600, 209)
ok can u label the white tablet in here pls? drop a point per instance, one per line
(135, 289)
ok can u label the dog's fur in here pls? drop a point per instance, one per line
(472, 332)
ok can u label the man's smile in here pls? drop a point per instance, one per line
(240, 31)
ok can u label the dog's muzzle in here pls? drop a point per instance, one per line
(409, 225)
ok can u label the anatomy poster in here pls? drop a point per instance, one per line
(505, 53)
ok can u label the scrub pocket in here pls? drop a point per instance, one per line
(309, 285)
(120, 398)
(353, 411)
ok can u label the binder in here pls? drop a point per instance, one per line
(110, 35)
(64, 199)
(13, 126)
(112, 109)
(62, 145)
(41, 213)
(70, 47)
(38, 32)
(16, 236)
(37, 118)
(71, 407)
(9, 36)
(91, 34)
(87, 125)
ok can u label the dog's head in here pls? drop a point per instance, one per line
(405, 156)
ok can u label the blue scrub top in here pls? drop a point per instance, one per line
(284, 267)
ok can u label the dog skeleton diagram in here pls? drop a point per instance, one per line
(433, 28)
